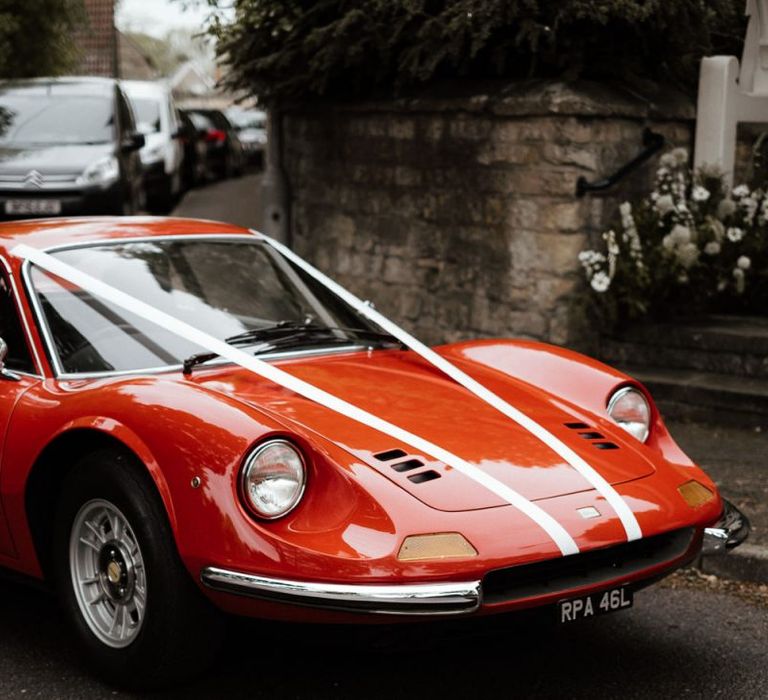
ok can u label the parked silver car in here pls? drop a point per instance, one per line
(163, 152)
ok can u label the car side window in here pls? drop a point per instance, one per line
(11, 330)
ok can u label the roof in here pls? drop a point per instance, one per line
(47, 233)
(66, 85)
(146, 88)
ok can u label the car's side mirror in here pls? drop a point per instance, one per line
(177, 133)
(133, 142)
(4, 373)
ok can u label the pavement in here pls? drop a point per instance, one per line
(683, 639)
(737, 459)
(235, 201)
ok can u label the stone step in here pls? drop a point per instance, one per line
(706, 396)
(729, 345)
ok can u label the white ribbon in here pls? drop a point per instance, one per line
(555, 530)
(619, 505)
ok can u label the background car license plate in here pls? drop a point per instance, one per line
(33, 206)
(594, 604)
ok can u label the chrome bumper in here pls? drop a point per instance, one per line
(728, 532)
(414, 599)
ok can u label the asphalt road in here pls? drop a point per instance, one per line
(674, 643)
(235, 201)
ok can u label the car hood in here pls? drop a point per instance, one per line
(403, 389)
(51, 160)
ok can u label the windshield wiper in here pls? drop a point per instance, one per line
(292, 333)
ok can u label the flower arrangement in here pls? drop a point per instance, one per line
(692, 246)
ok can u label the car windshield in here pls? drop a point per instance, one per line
(147, 115)
(224, 287)
(37, 117)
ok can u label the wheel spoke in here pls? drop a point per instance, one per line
(95, 531)
(90, 544)
(101, 597)
(114, 621)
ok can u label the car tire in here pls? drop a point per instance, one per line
(149, 626)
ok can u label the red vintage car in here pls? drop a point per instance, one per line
(196, 421)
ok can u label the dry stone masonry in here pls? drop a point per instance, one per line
(458, 216)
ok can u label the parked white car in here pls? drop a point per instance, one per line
(162, 154)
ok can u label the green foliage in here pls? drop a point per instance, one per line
(280, 48)
(692, 246)
(36, 36)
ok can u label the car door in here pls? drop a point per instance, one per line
(17, 376)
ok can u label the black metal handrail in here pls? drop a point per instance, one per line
(653, 143)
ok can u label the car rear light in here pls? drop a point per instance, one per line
(215, 135)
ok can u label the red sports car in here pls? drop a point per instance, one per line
(196, 421)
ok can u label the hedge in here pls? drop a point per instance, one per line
(351, 48)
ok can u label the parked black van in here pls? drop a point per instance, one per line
(68, 146)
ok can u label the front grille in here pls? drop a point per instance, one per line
(586, 569)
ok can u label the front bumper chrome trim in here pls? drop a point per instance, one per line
(406, 599)
(728, 532)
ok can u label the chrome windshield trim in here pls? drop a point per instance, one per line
(456, 598)
(50, 345)
(219, 362)
(23, 317)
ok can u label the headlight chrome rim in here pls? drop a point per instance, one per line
(620, 394)
(249, 463)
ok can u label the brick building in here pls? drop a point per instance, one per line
(97, 40)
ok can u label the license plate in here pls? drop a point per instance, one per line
(33, 206)
(594, 604)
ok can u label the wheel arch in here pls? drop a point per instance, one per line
(57, 460)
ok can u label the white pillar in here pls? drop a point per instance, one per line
(716, 116)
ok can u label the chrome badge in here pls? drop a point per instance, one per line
(33, 179)
(588, 512)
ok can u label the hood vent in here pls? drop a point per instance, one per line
(421, 477)
(389, 455)
(592, 436)
(407, 465)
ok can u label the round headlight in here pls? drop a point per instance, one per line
(273, 479)
(630, 409)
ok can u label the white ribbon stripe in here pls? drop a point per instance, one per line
(555, 530)
(619, 505)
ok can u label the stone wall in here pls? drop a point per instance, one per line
(458, 216)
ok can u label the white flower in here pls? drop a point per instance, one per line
(741, 191)
(750, 205)
(688, 255)
(734, 234)
(664, 204)
(600, 282)
(726, 208)
(668, 242)
(712, 248)
(744, 263)
(738, 275)
(700, 194)
(679, 156)
(625, 209)
(667, 161)
(680, 234)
